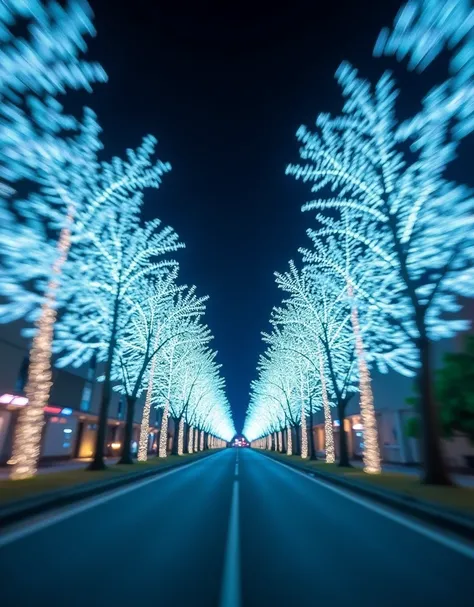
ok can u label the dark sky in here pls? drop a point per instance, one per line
(224, 94)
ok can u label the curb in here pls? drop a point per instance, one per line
(18, 510)
(445, 518)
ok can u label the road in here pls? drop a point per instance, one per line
(219, 530)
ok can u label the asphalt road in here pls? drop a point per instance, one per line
(224, 533)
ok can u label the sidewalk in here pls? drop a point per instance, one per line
(463, 480)
(60, 466)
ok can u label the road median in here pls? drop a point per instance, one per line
(451, 508)
(25, 498)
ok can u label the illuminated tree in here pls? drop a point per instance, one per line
(416, 224)
(158, 312)
(422, 30)
(293, 340)
(172, 355)
(317, 306)
(35, 69)
(103, 274)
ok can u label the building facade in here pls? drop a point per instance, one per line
(71, 416)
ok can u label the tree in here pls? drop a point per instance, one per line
(200, 361)
(317, 307)
(455, 391)
(173, 354)
(104, 272)
(416, 223)
(34, 70)
(454, 386)
(422, 30)
(158, 312)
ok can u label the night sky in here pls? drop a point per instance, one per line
(224, 95)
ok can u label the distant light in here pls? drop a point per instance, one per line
(337, 423)
(67, 430)
(357, 427)
(53, 410)
(66, 411)
(20, 401)
(6, 399)
(116, 445)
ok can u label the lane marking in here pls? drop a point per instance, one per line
(448, 541)
(42, 521)
(230, 591)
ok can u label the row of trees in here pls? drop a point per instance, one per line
(392, 250)
(77, 262)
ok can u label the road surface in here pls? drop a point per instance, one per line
(233, 529)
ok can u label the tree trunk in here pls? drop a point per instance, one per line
(343, 451)
(297, 448)
(196, 440)
(201, 440)
(304, 433)
(181, 436)
(126, 456)
(311, 446)
(190, 439)
(164, 432)
(174, 448)
(98, 461)
(434, 467)
(145, 425)
(29, 427)
(371, 438)
(289, 441)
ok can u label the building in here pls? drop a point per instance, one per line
(71, 416)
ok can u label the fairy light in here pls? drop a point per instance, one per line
(304, 433)
(201, 440)
(144, 428)
(280, 441)
(196, 440)
(289, 442)
(181, 436)
(164, 431)
(190, 439)
(371, 453)
(328, 428)
(29, 427)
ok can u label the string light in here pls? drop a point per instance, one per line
(304, 433)
(371, 453)
(164, 431)
(328, 429)
(144, 428)
(29, 427)
(190, 439)
(181, 436)
(201, 440)
(289, 441)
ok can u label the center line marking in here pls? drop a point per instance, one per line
(230, 591)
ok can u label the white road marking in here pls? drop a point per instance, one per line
(42, 521)
(447, 540)
(230, 591)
